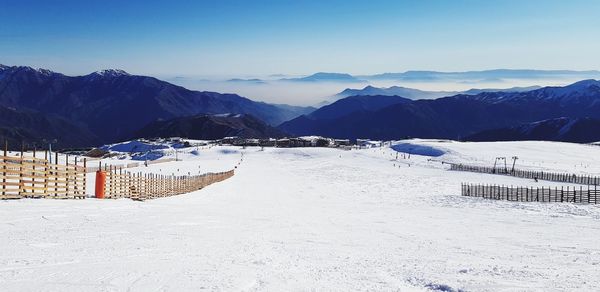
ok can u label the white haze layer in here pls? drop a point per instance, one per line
(315, 93)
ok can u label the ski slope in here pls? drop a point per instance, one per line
(314, 219)
(538, 155)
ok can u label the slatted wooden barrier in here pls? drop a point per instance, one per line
(541, 175)
(581, 195)
(32, 177)
(139, 186)
(134, 164)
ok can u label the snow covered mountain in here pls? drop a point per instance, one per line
(451, 117)
(113, 104)
(107, 73)
(584, 92)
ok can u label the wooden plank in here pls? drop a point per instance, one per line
(7, 183)
(33, 188)
(12, 171)
(28, 175)
(31, 181)
(10, 197)
(58, 192)
(11, 158)
(32, 164)
(37, 159)
(12, 193)
(9, 165)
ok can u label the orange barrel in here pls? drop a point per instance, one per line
(100, 181)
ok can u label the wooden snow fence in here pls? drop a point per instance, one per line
(580, 195)
(32, 177)
(134, 164)
(139, 186)
(540, 175)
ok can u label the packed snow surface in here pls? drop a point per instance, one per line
(313, 219)
(416, 149)
(535, 155)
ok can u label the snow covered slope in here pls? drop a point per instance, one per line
(537, 155)
(312, 219)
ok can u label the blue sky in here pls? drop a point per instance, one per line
(247, 38)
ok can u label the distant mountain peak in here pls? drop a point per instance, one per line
(494, 74)
(242, 80)
(326, 77)
(410, 93)
(29, 69)
(331, 74)
(7, 70)
(111, 73)
(586, 83)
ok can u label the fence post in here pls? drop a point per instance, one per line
(21, 184)
(4, 168)
(561, 194)
(139, 184)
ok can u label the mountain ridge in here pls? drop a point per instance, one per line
(34, 128)
(455, 116)
(210, 127)
(325, 77)
(578, 130)
(428, 75)
(113, 104)
(413, 93)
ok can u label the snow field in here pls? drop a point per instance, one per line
(309, 219)
(536, 155)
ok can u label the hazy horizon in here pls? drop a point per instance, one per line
(273, 89)
(243, 38)
(207, 42)
(314, 93)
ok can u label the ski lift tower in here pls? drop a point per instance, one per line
(498, 161)
(514, 158)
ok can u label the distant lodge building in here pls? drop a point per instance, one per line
(367, 143)
(307, 141)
